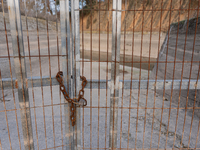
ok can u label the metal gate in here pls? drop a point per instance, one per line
(143, 83)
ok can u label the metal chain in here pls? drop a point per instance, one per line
(80, 101)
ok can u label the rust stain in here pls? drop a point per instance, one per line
(26, 83)
(16, 84)
(9, 7)
(195, 85)
(154, 85)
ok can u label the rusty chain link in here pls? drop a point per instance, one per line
(80, 101)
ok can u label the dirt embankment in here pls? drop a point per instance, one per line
(142, 16)
(138, 14)
(31, 21)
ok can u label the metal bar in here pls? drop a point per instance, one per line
(83, 119)
(20, 70)
(138, 10)
(140, 73)
(132, 55)
(153, 84)
(72, 45)
(129, 115)
(11, 74)
(165, 75)
(66, 66)
(174, 68)
(73, 70)
(48, 49)
(55, 147)
(156, 77)
(122, 101)
(195, 97)
(99, 72)
(106, 118)
(91, 99)
(188, 89)
(29, 52)
(125, 4)
(114, 86)
(134, 61)
(58, 52)
(157, 108)
(69, 72)
(68, 125)
(173, 77)
(76, 68)
(40, 65)
(145, 120)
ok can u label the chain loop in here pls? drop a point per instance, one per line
(81, 93)
(80, 101)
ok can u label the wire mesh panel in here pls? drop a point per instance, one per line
(140, 59)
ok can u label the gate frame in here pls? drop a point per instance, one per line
(20, 71)
(115, 84)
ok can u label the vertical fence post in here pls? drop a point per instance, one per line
(76, 69)
(20, 70)
(66, 67)
(114, 91)
(73, 67)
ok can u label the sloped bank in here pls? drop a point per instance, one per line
(180, 47)
(139, 15)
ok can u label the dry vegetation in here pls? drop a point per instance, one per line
(136, 18)
(142, 16)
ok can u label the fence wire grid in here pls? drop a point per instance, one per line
(141, 61)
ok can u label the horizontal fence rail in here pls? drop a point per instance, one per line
(152, 84)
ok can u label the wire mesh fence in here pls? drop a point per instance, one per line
(141, 61)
